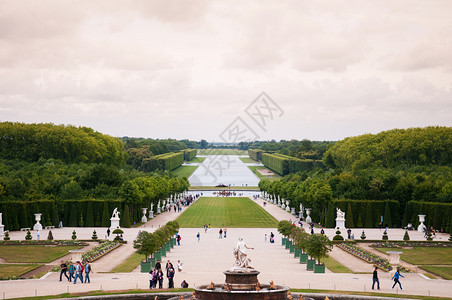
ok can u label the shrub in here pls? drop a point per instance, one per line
(126, 217)
(338, 236)
(28, 235)
(349, 217)
(117, 231)
(50, 235)
(74, 235)
(94, 236)
(429, 236)
(406, 237)
(387, 217)
(363, 235)
(6, 237)
(385, 236)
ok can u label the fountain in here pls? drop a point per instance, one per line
(241, 282)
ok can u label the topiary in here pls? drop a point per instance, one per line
(28, 235)
(429, 236)
(94, 236)
(406, 237)
(50, 235)
(338, 236)
(118, 232)
(74, 235)
(385, 236)
(363, 235)
(6, 237)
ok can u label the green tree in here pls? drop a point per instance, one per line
(349, 217)
(105, 216)
(73, 216)
(125, 220)
(146, 243)
(368, 223)
(285, 227)
(318, 246)
(387, 215)
(55, 218)
(23, 216)
(330, 220)
(301, 239)
(89, 215)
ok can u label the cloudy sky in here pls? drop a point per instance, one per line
(189, 69)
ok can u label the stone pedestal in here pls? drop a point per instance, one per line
(38, 225)
(151, 214)
(292, 211)
(421, 227)
(287, 208)
(114, 223)
(394, 260)
(158, 210)
(144, 219)
(2, 230)
(340, 223)
(308, 216)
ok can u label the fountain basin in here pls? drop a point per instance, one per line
(202, 293)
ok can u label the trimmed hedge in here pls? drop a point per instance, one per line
(167, 161)
(377, 209)
(255, 154)
(283, 164)
(189, 154)
(438, 215)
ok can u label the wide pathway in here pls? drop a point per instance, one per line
(205, 261)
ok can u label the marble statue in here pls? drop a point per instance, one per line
(340, 214)
(115, 214)
(152, 206)
(241, 257)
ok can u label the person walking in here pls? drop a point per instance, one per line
(158, 265)
(154, 278)
(396, 278)
(71, 271)
(225, 230)
(63, 271)
(170, 275)
(88, 270)
(221, 233)
(151, 279)
(78, 272)
(198, 236)
(178, 238)
(375, 279)
(179, 266)
(108, 232)
(160, 278)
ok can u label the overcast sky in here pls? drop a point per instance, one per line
(188, 69)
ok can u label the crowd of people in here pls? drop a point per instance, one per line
(156, 275)
(73, 271)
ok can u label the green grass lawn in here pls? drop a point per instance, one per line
(222, 152)
(196, 160)
(10, 270)
(248, 160)
(184, 171)
(226, 211)
(424, 255)
(444, 272)
(254, 169)
(129, 264)
(33, 253)
(334, 266)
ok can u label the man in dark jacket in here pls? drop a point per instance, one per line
(63, 267)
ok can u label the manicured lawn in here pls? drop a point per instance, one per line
(184, 171)
(248, 160)
(254, 169)
(10, 270)
(424, 255)
(226, 211)
(33, 253)
(196, 160)
(334, 266)
(222, 152)
(129, 264)
(445, 272)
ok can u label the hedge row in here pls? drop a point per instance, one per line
(255, 154)
(189, 154)
(283, 164)
(167, 161)
(364, 216)
(73, 213)
(438, 215)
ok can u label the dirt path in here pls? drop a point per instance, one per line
(352, 262)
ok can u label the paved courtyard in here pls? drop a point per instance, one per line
(205, 261)
(223, 169)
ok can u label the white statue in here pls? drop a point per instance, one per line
(301, 207)
(152, 206)
(115, 214)
(1, 219)
(241, 258)
(340, 214)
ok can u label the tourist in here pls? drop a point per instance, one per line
(179, 266)
(38, 234)
(169, 265)
(160, 278)
(63, 267)
(184, 284)
(170, 275)
(322, 231)
(87, 271)
(178, 238)
(265, 237)
(375, 279)
(158, 265)
(396, 278)
(71, 271)
(224, 231)
(108, 232)
(151, 279)
(154, 278)
(205, 228)
(221, 233)
(198, 236)
(78, 272)
(349, 233)
(209, 227)
(272, 238)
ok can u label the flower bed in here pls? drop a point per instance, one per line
(100, 250)
(369, 257)
(410, 244)
(44, 242)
